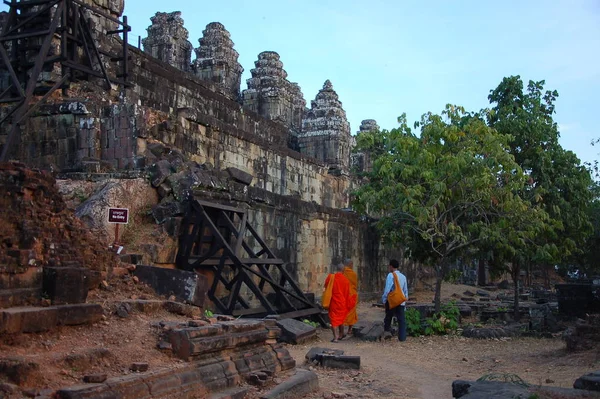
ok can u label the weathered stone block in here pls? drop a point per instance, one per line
(232, 393)
(165, 210)
(375, 333)
(340, 362)
(240, 176)
(316, 353)
(159, 172)
(94, 378)
(65, 284)
(298, 385)
(15, 320)
(85, 313)
(186, 286)
(590, 382)
(296, 332)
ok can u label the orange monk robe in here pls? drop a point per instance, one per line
(352, 317)
(341, 303)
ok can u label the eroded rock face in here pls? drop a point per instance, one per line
(168, 40)
(273, 96)
(217, 60)
(137, 193)
(326, 131)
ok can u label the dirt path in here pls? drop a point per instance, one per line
(425, 367)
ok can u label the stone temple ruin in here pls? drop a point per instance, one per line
(222, 171)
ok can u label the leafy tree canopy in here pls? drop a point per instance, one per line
(441, 192)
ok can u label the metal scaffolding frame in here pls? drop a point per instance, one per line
(33, 26)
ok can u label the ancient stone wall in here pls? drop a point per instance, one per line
(36, 228)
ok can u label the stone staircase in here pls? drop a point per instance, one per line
(36, 299)
(21, 289)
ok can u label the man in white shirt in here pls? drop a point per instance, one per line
(398, 311)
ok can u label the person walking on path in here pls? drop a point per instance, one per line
(340, 303)
(350, 274)
(397, 311)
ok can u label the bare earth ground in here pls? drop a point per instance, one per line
(425, 367)
(418, 368)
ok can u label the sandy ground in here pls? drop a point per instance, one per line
(425, 367)
(418, 368)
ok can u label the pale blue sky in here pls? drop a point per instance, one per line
(385, 57)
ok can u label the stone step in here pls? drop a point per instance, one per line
(233, 393)
(30, 277)
(38, 319)
(15, 297)
(194, 342)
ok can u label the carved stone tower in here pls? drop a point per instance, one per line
(326, 131)
(217, 61)
(361, 161)
(271, 95)
(168, 40)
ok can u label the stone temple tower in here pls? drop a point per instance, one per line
(361, 161)
(217, 61)
(326, 131)
(272, 96)
(168, 40)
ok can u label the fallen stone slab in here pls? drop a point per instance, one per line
(187, 286)
(296, 332)
(232, 393)
(483, 293)
(505, 390)
(240, 176)
(590, 382)
(375, 333)
(28, 319)
(340, 362)
(94, 378)
(315, 353)
(361, 328)
(39, 319)
(297, 386)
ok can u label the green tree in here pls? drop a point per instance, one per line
(557, 182)
(441, 192)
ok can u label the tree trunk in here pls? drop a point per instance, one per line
(440, 272)
(438, 292)
(481, 272)
(515, 273)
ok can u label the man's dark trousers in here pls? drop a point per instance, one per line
(398, 311)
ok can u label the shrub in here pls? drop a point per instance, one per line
(413, 322)
(444, 322)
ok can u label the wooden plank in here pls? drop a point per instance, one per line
(249, 261)
(259, 310)
(219, 206)
(300, 313)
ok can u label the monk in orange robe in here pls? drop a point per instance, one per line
(341, 302)
(352, 317)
